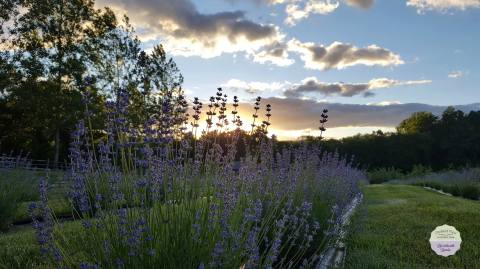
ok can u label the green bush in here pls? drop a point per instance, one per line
(419, 170)
(466, 191)
(470, 192)
(10, 199)
(16, 187)
(381, 175)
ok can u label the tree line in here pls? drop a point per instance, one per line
(450, 140)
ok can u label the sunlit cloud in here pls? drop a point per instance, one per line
(300, 114)
(185, 31)
(295, 117)
(312, 85)
(442, 5)
(336, 132)
(298, 10)
(253, 87)
(275, 53)
(341, 55)
(385, 103)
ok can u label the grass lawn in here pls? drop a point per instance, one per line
(19, 249)
(392, 227)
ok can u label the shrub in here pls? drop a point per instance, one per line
(9, 203)
(463, 183)
(465, 191)
(381, 175)
(419, 170)
(15, 188)
(470, 192)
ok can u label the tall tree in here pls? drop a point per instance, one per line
(152, 80)
(418, 122)
(55, 46)
(49, 38)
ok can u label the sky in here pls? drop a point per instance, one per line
(370, 62)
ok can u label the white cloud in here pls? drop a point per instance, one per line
(380, 83)
(275, 53)
(254, 87)
(341, 55)
(456, 74)
(314, 86)
(385, 103)
(442, 5)
(297, 11)
(185, 31)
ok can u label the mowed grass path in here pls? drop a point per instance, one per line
(392, 227)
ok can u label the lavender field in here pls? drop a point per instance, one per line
(156, 198)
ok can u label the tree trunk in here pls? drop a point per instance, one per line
(57, 147)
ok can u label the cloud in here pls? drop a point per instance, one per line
(312, 85)
(456, 74)
(297, 11)
(380, 83)
(185, 31)
(275, 53)
(253, 87)
(300, 114)
(342, 55)
(365, 4)
(442, 5)
(336, 132)
(385, 103)
(268, 2)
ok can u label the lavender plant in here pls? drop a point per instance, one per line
(323, 121)
(148, 199)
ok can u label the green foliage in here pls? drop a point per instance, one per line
(41, 97)
(31, 126)
(453, 140)
(19, 250)
(381, 175)
(418, 122)
(463, 183)
(419, 170)
(471, 192)
(9, 203)
(468, 191)
(18, 188)
(64, 53)
(14, 189)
